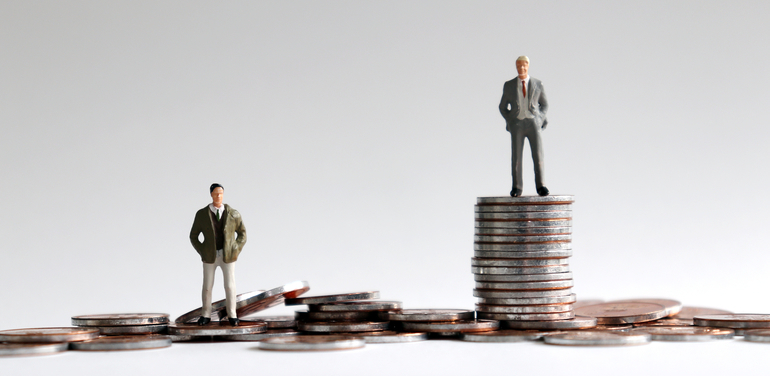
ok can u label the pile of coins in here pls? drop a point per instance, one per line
(520, 264)
(440, 323)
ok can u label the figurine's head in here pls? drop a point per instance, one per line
(522, 66)
(217, 194)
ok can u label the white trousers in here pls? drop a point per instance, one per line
(228, 272)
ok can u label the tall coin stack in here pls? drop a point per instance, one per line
(520, 264)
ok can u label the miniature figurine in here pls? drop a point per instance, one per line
(219, 223)
(524, 106)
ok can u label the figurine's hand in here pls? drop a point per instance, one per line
(543, 126)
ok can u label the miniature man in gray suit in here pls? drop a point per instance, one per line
(524, 107)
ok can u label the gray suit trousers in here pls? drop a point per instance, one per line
(521, 129)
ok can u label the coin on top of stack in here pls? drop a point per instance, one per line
(118, 324)
(344, 313)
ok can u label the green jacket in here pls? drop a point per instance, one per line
(207, 249)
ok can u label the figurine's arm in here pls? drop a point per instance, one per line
(543, 104)
(194, 232)
(240, 230)
(505, 101)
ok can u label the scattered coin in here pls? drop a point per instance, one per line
(529, 301)
(120, 319)
(120, 343)
(518, 262)
(587, 302)
(430, 315)
(513, 294)
(217, 328)
(691, 312)
(735, 321)
(522, 200)
(270, 333)
(321, 299)
(355, 306)
(579, 322)
(48, 335)
(460, 326)
(132, 329)
(684, 333)
(522, 277)
(342, 327)
(503, 336)
(524, 309)
(520, 270)
(672, 306)
(388, 336)
(544, 285)
(312, 343)
(589, 338)
(526, 316)
(623, 313)
(23, 349)
(757, 335)
(216, 307)
(274, 322)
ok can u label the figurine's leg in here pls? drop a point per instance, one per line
(208, 284)
(517, 147)
(536, 146)
(228, 272)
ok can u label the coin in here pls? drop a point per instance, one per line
(119, 319)
(522, 239)
(522, 223)
(132, 329)
(672, 306)
(736, 321)
(270, 333)
(119, 343)
(503, 336)
(217, 328)
(512, 294)
(684, 333)
(526, 316)
(587, 302)
(545, 285)
(429, 315)
(691, 312)
(520, 208)
(522, 277)
(561, 214)
(589, 338)
(47, 335)
(21, 349)
(389, 336)
(551, 199)
(274, 322)
(355, 306)
(578, 322)
(321, 299)
(522, 247)
(523, 231)
(193, 315)
(757, 335)
(460, 326)
(524, 309)
(342, 316)
(312, 343)
(529, 301)
(666, 322)
(519, 269)
(518, 262)
(623, 313)
(554, 253)
(301, 315)
(337, 327)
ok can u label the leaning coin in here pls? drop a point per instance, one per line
(521, 239)
(553, 253)
(684, 333)
(579, 322)
(261, 336)
(522, 277)
(48, 335)
(503, 336)
(460, 326)
(523, 223)
(518, 262)
(545, 285)
(529, 301)
(523, 231)
(342, 316)
(691, 312)
(312, 343)
(23, 349)
(132, 329)
(119, 343)
(520, 269)
(520, 208)
(217, 328)
(513, 294)
(526, 316)
(430, 315)
(269, 298)
(355, 306)
(119, 319)
(735, 321)
(552, 199)
(623, 313)
(389, 336)
(342, 327)
(665, 322)
(274, 322)
(521, 247)
(562, 214)
(321, 299)
(217, 306)
(524, 309)
(673, 307)
(588, 338)
(757, 335)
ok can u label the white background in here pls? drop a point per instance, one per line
(354, 138)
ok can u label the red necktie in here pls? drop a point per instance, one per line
(524, 88)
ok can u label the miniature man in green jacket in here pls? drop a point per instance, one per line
(219, 224)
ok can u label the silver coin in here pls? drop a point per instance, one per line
(521, 239)
(274, 322)
(562, 214)
(261, 336)
(673, 307)
(735, 321)
(623, 313)
(48, 335)
(523, 223)
(508, 294)
(757, 335)
(120, 343)
(119, 319)
(526, 316)
(522, 277)
(342, 316)
(216, 307)
(322, 299)
(578, 322)
(312, 343)
(355, 306)
(554, 253)
(520, 208)
(544, 285)
(526, 199)
(518, 262)
(523, 231)
(522, 247)
(588, 338)
(388, 336)
(132, 329)
(684, 333)
(23, 349)
(569, 299)
(503, 336)
(551, 308)
(460, 326)
(214, 328)
(342, 327)
(519, 270)
(430, 315)
(741, 332)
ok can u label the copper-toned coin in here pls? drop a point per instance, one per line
(611, 328)
(527, 316)
(579, 322)
(593, 338)
(623, 313)
(736, 321)
(526, 200)
(355, 306)
(132, 329)
(561, 214)
(518, 262)
(757, 335)
(388, 336)
(342, 327)
(519, 208)
(120, 319)
(530, 301)
(48, 335)
(522, 277)
(503, 336)
(552, 253)
(691, 312)
(217, 328)
(551, 308)
(430, 315)
(522, 223)
(684, 333)
(120, 343)
(460, 326)
(672, 306)
(514, 294)
(24, 349)
(520, 270)
(274, 322)
(312, 343)
(523, 231)
(520, 286)
(270, 333)
(522, 239)
(666, 322)
(343, 316)
(323, 299)
(587, 302)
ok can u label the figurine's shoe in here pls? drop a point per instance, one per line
(204, 320)
(516, 192)
(543, 191)
(234, 322)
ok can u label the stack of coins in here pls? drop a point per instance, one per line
(124, 331)
(439, 323)
(520, 264)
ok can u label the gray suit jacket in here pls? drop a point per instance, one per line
(538, 104)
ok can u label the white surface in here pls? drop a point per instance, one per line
(358, 135)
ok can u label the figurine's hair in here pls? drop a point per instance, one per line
(215, 186)
(523, 58)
